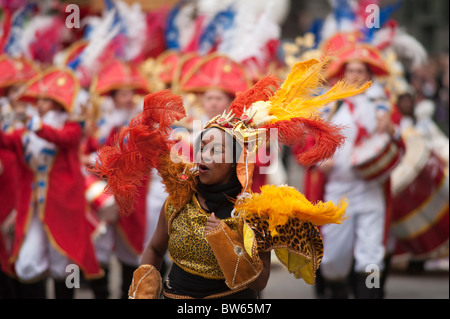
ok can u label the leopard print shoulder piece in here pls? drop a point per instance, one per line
(297, 244)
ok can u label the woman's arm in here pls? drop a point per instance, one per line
(260, 283)
(147, 281)
(156, 249)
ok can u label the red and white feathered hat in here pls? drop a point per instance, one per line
(119, 75)
(58, 84)
(168, 62)
(186, 63)
(216, 71)
(15, 71)
(361, 52)
(340, 41)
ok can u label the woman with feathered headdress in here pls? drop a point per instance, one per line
(219, 234)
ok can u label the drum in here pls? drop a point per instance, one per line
(101, 203)
(376, 157)
(420, 186)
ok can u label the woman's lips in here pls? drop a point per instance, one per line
(203, 168)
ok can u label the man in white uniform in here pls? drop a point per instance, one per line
(358, 239)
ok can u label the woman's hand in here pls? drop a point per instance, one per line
(212, 222)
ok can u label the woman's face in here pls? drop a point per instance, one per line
(215, 102)
(214, 161)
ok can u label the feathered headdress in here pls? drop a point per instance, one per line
(292, 108)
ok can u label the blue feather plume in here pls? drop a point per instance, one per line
(385, 14)
(20, 17)
(343, 11)
(212, 32)
(172, 33)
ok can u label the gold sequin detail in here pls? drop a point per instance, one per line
(188, 247)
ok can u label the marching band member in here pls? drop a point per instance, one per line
(361, 238)
(51, 231)
(13, 114)
(119, 84)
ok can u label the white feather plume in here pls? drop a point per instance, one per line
(184, 22)
(252, 30)
(410, 49)
(38, 22)
(99, 38)
(135, 24)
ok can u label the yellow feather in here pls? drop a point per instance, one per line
(304, 80)
(298, 96)
(340, 90)
(279, 203)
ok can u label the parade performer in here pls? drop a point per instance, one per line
(117, 85)
(51, 231)
(13, 115)
(356, 172)
(219, 234)
(15, 72)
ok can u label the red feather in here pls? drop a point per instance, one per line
(138, 148)
(327, 136)
(261, 91)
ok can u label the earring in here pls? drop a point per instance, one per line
(183, 175)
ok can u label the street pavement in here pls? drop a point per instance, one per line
(431, 284)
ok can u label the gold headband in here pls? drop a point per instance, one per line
(240, 129)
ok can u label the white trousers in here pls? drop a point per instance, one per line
(37, 255)
(111, 242)
(358, 238)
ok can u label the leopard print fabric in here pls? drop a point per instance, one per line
(188, 247)
(297, 236)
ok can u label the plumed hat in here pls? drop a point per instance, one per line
(358, 52)
(119, 75)
(15, 71)
(216, 71)
(58, 84)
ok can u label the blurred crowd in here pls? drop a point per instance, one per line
(431, 82)
(67, 91)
